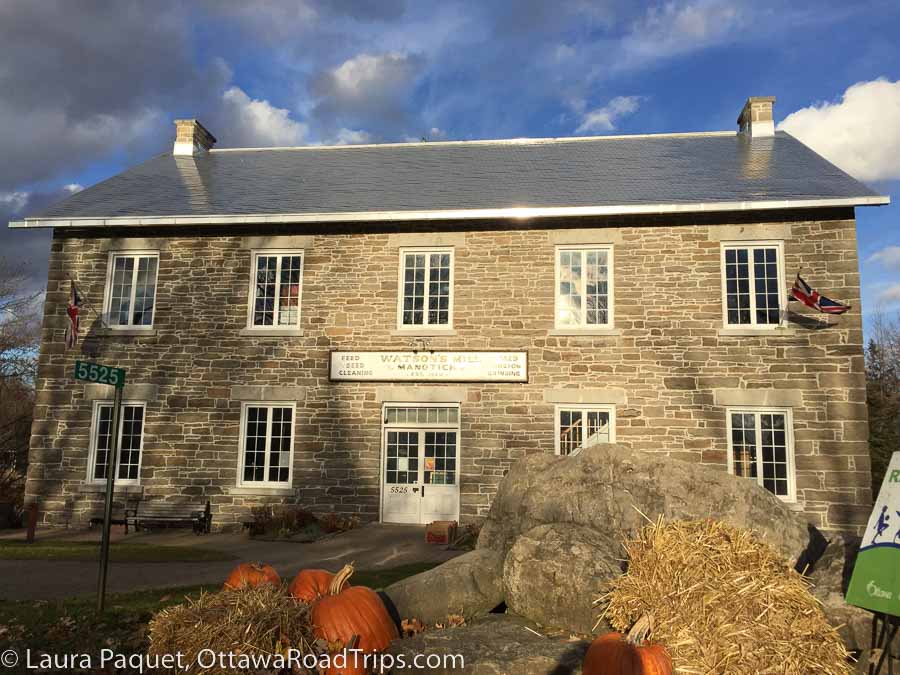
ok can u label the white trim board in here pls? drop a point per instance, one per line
(523, 213)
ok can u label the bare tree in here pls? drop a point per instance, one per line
(20, 314)
(883, 393)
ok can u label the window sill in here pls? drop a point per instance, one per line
(424, 332)
(779, 331)
(260, 491)
(119, 488)
(585, 331)
(271, 332)
(128, 332)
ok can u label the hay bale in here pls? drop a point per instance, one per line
(723, 602)
(263, 620)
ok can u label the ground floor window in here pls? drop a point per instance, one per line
(581, 426)
(131, 438)
(267, 444)
(760, 447)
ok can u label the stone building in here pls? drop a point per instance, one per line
(382, 330)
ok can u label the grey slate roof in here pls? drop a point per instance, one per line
(406, 178)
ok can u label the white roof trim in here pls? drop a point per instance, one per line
(523, 213)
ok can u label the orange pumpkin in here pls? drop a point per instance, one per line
(632, 654)
(252, 575)
(352, 613)
(310, 585)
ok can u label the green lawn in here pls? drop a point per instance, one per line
(73, 626)
(119, 552)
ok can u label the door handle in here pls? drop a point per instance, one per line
(415, 489)
(423, 490)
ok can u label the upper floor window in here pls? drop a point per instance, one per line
(581, 426)
(131, 439)
(267, 444)
(131, 289)
(275, 289)
(426, 287)
(760, 447)
(584, 287)
(753, 283)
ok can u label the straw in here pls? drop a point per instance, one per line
(261, 620)
(723, 602)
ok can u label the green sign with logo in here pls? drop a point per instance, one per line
(875, 583)
(94, 372)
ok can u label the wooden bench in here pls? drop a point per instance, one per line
(117, 520)
(149, 515)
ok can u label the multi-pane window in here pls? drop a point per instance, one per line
(131, 431)
(402, 457)
(584, 287)
(753, 284)
(579, 427)
(426, 286)
(131, 291)
(276, 289)
(440, 458)
(760, 448)
(268, 440)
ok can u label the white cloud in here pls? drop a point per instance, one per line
(257, 123)
(365, 74)
(605, 118)
(890, 295)
(675, 28)
(352, 137)
(72, 188)
(860, 133)
(14, 202)
(888, 256)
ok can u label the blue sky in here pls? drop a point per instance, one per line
(92, 87)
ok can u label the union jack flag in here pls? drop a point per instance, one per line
(72, 310)
(811, 298)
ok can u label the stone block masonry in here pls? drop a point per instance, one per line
(669, 366)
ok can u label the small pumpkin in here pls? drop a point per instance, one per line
(632, 654)
(348, 611)
(310, 585)
(252, 574)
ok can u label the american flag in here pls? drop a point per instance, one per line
(811, 298)
(72, 310)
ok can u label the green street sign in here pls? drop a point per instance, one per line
(875, 583)
(94, 372)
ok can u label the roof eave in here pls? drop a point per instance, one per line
(523, 213)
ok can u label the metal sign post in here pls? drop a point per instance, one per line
(115, 377)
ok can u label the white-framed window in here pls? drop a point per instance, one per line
(130, 298)
(425, 288)
(131, 442)
(276, 289)
(584, 287)
(580, 426)
(761, 447)
(753, 288)
(267, 444)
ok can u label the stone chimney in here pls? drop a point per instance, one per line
(191, 138)
(755, 120)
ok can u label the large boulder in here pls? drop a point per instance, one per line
(615, 490)
(830, 577)
(469, 585)
(553, 573)
(494, 645)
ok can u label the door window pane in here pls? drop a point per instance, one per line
(440, 458)
(402, 466)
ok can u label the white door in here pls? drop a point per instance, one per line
(421, 474)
